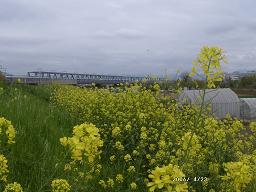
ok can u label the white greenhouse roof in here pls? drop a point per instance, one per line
(251, 102)
(224, 95)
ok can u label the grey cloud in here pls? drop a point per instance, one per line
(123, 36)
(129, 33)
(122, 33)
(12, 11)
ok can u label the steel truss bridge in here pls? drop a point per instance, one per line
(44, 77)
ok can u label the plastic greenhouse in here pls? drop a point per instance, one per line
(248, 108)
(221, 101)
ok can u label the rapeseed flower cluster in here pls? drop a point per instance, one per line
(7, 137)
(60, 185)
(7, 129)
(148, 144)
(238, 175)
(133, 186)
(13, 187)
(3, 168)
(139, 134)
(119, 178)
(166, 178)
(209, 62)
(85, 142)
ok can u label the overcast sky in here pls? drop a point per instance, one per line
(132, 37)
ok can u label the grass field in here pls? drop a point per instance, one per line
(36, 157)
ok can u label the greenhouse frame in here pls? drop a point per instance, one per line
(248, 108)
(221, 101)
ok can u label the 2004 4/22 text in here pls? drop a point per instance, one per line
(189, 179)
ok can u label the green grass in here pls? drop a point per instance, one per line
(37, 156)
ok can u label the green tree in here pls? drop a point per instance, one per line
(186, 81)
(248, 82)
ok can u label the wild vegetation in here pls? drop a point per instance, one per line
(126, 138)
(36, 155)
(246, 82)
(1, 76)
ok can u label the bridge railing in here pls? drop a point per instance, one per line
(60, 75)
(39, 77)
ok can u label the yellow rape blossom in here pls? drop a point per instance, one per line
(110, 183)
(119, 178)
(238, 175)
(60, 185)
(112, 158)
(131, 169)
(133, 186)
(6, 126)
(102, 184)
(127, 157)
(135, 153)
(119, 146)
(116, 131)
(13, 187)
(209, 62)
(3, 168)
(85, 141)
(164, 178)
